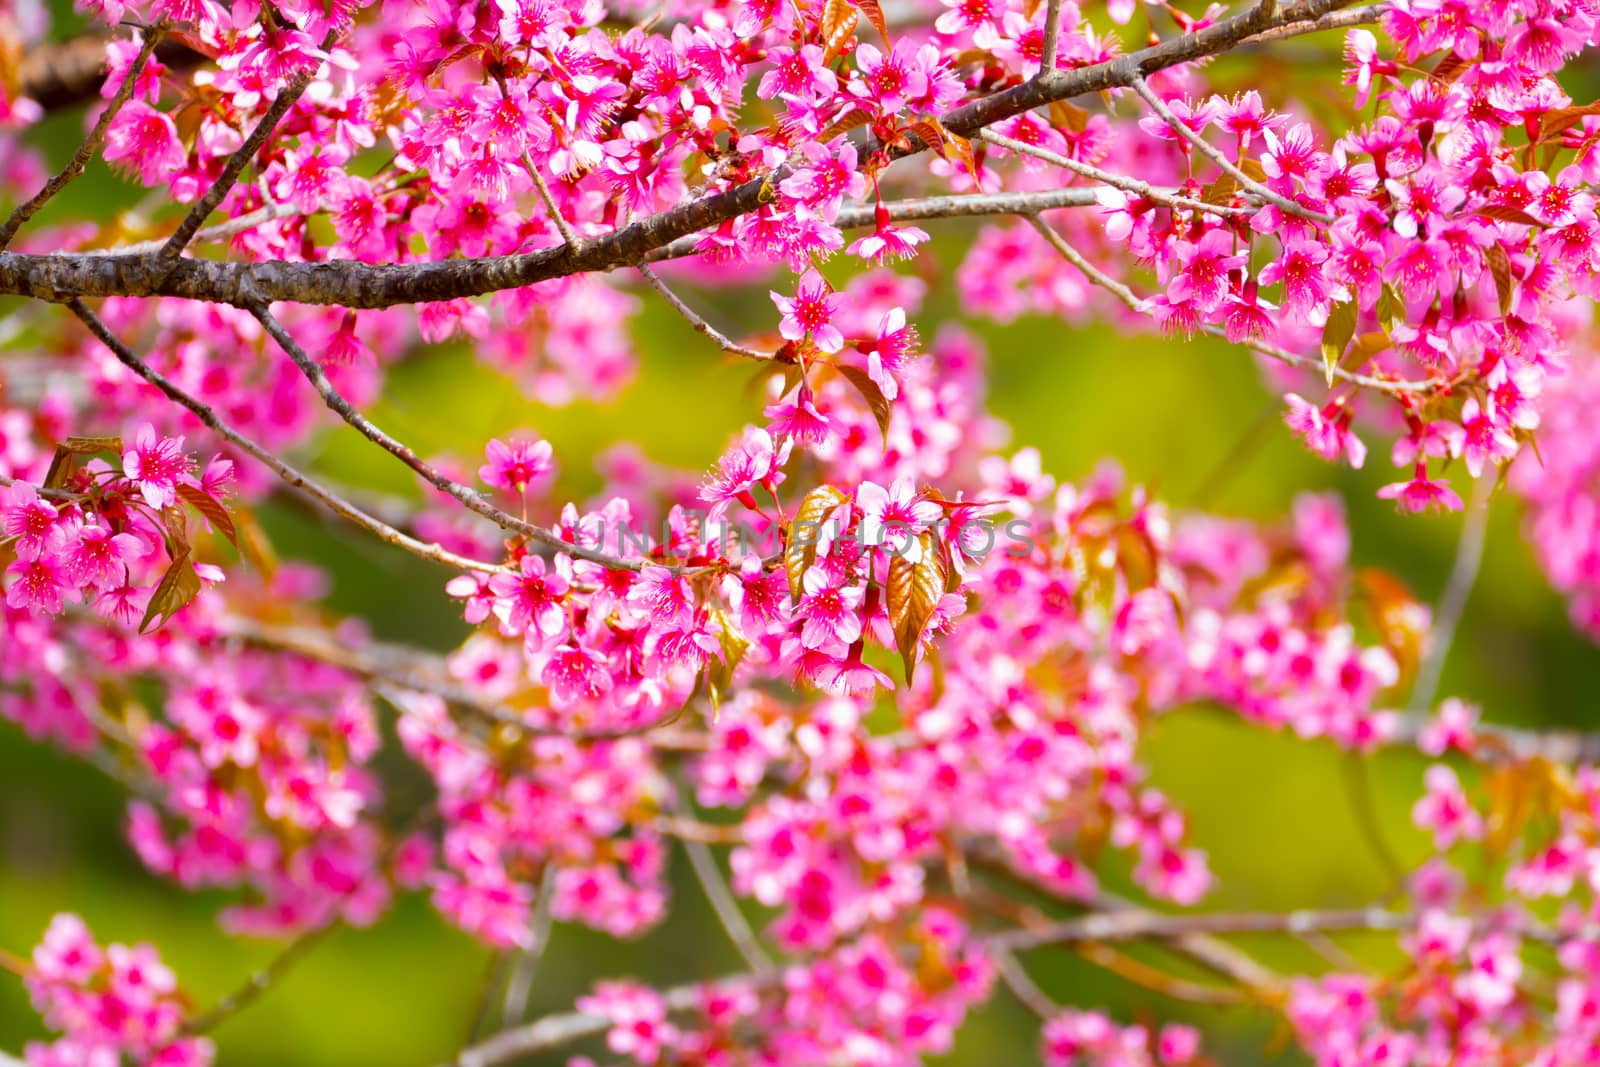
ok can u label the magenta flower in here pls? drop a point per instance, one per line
(576, 674)
(534, 601)
(753, 461)
(145, 141)
(34, 522)
(1325, 431)
(36, 585)
(516, 465)
(1420, 494)
(798, 419)
(100, 557)
(1204, 267)
(809, 313)
(893, 516)
(156, 465)
(829, 609)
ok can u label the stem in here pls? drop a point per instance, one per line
(294, 478)
(90, 145)
(520, 983)
(695, 320)
(259, 982)
(1205, 148)
(1453, 601)
(239, 160)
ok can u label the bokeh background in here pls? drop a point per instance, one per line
(1286, 823)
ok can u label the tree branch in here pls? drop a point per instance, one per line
(292, 477)
(240, 159)
(352, 284)
(1116, 181)
(1207, 149)
(1135, 303)
(471, 498)
(90, 145)
(1453, 601)
(695, 320)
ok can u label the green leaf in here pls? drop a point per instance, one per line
(178, 587)
(1391, 309)
(1336, 335)
(877, 403)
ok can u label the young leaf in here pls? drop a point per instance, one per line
(1501, 213)
(178, 586)
(800, 547)
(913, 593)
(877, 403)
(1500, 268)
(1336, 335)
(838, 22)
(65, 463)
(874, 12)
(212, 509)
(1391, 309)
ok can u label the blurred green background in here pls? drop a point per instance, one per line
(1279, 818)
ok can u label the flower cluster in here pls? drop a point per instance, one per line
(107, 1003)
(112, 536)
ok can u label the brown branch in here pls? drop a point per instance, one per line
(1135, 303)
(418, 671)
(292, 477)
(359, 285)
(260, 981)
(471, 498)
(1210, 151)
(60, 74)
(696, 320)
(90, 145)
(240, 159)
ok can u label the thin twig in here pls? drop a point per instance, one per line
(1022, 985)
(240, 159)
(695, 320)
(259, 982)
(233, 227)
(1457, 591)
(1207, 149)
(91, 143)
(1116, 181)
(1052, 30)
(520, 984)
(1136, 303)
(292, 477)
(396, 667)
(722, 901)
(468, 496)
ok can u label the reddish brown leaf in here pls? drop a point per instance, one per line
(877, 403)
(1553, 122)
(212, 509)
(874, 12)
(838, 23)
(1501, 213)
(913, 593)
(800, 547)
(178, 587)
(1500, 268)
